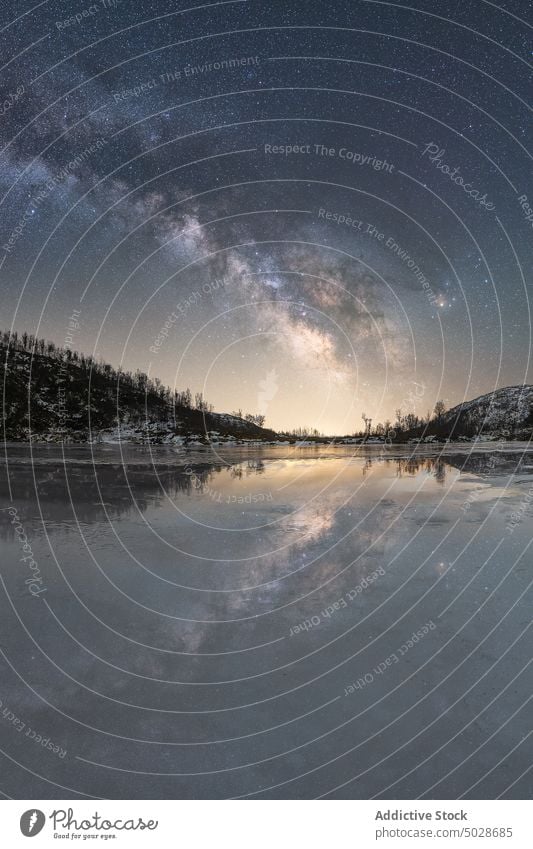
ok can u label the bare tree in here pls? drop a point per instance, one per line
(439, 410)
(368, 423)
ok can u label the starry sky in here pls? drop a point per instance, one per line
(306, 210)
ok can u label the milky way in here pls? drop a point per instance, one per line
(335, 198)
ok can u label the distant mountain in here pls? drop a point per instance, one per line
(505, 413)
(509, 409)
(57, 394)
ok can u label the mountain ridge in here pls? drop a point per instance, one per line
(507, 408)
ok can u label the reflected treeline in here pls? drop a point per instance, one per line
(409, 466)
(487, 464)
(250, 467)
(108, 488)
(491, 463)
(116, 490)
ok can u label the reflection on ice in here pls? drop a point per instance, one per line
(235, 598)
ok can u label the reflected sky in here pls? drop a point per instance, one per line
(219, 610)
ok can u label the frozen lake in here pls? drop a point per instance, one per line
(266, 622)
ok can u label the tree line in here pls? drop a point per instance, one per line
(138, 382)
(404, 423)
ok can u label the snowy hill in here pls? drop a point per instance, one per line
(509, 409)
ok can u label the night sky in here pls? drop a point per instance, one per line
(310, 210)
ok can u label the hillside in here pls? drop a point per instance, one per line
(56, 394)
(505, 413)
(508, 409)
